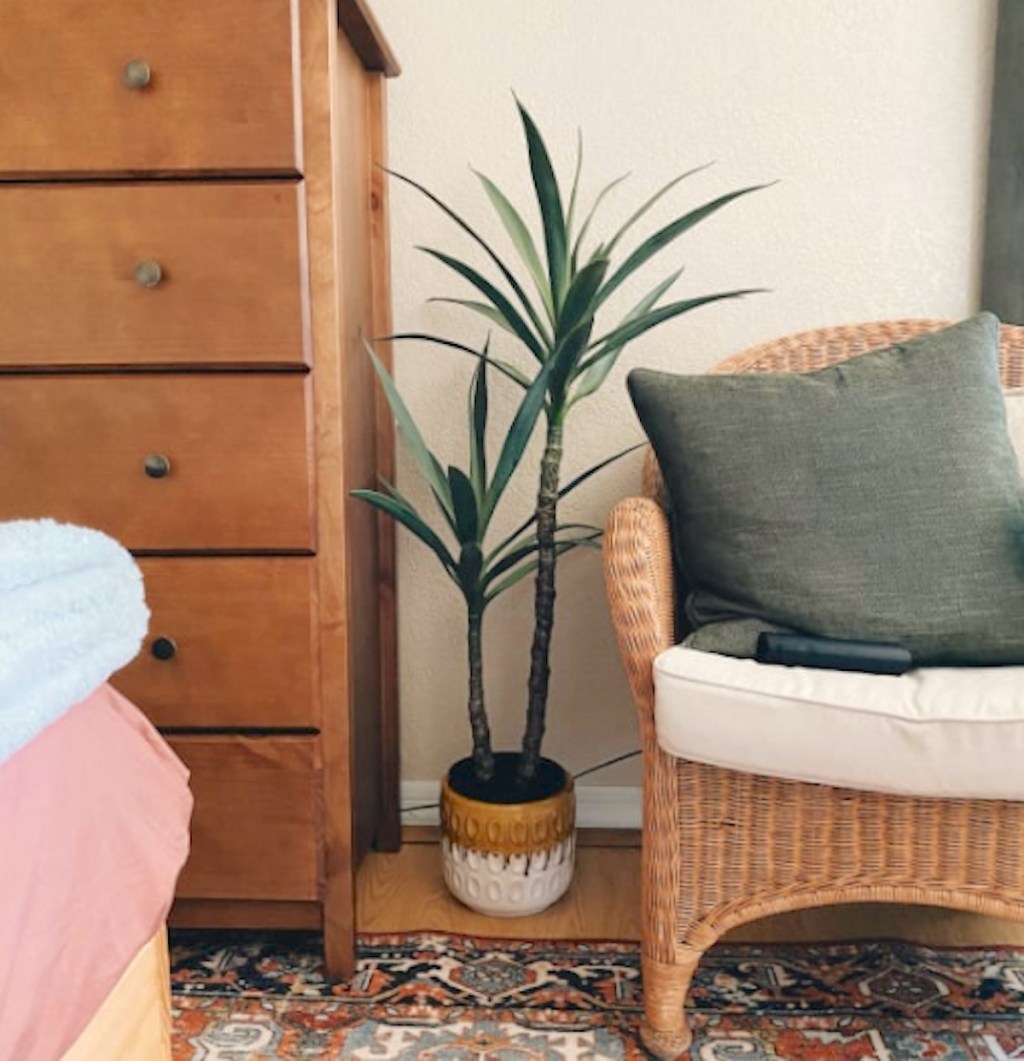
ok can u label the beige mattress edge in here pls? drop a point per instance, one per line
(134, 1021)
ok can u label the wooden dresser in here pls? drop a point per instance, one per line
(193, 246)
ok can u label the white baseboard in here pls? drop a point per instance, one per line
(597, 807)
(608, 807)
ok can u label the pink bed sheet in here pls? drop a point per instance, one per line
(94, 820)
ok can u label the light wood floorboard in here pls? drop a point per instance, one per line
(405, 892)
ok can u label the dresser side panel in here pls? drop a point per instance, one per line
(359, 421)
(388, 837)
(333, 680)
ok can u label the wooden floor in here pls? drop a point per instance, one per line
(405, 892)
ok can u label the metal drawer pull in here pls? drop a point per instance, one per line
(137, 74)
(163, 648)
(156, 465)
(148, 273)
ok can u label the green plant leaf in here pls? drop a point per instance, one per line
(648, 302)
(579, 480)
(564, 363)
(570, 214)
(550, 202)
(664, 236)
(478, 430)
(579, 300)
(626, 332)
(574, 329)
(635, 217)
(429, 466)
(503, 367)
(485, 309)
(392, 490)
(404, 513)
(524, 547)
(521, 572)
(500, 302)
(471, 563)
(467, 516)
(521, 240)
(583, 476)
(592, 379)
(510, 561)
(507, 273)
(590, 217)
(516, 441)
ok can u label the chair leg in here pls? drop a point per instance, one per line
(664, 1030)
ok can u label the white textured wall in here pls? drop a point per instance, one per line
(871, 115)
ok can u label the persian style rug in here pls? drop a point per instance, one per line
(433, 997)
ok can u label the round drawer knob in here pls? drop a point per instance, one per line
(163, 648)
(137, 74)
(156, 465)
(148, 273)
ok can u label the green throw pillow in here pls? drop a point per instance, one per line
(878, 498)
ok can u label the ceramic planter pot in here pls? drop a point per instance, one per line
(508, 859)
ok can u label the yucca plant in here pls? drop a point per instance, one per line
(573, 280)
(466, 500)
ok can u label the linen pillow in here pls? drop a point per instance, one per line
(878, 498)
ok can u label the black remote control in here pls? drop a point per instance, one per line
(804, 650)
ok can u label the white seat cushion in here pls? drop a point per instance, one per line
(930, 732)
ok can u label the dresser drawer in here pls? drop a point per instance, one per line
(164, 274)
(234, 449)
(230, 644)
(257, 820)
(131, 86)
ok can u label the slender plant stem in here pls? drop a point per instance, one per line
(543, 603)
(483, 757)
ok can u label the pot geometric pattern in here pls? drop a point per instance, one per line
(508, 885)
(508, 828)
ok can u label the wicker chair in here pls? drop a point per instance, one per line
(721, 848)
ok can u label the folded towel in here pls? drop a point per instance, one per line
(72, 611)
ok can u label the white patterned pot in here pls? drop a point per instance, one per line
(508, 859)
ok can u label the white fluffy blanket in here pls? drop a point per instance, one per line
(72, 611)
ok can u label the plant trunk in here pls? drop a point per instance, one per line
(483, 757)
(543, 602)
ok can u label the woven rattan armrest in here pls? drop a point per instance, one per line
(641, 594)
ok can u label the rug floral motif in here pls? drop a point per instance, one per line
(435, 997)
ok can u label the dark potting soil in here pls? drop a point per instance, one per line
(505, 787)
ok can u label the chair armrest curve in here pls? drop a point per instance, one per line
(641, 594)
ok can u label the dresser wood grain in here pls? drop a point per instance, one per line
(231, 644)
(237, 448)
(168, 274)
(257, 824)
(220, 96)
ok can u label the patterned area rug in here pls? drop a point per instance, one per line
(431, 997)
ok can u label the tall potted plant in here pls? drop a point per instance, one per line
(466, 500)
(569, 358)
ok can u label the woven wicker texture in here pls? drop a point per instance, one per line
(721, 848)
